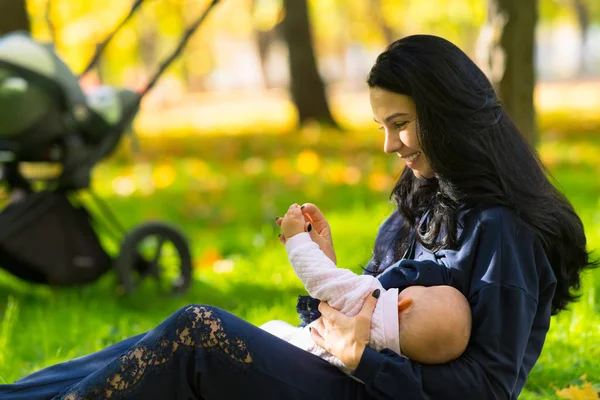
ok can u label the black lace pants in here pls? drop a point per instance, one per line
(202, 352)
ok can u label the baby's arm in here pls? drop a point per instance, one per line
(345, 291)
(341, 288)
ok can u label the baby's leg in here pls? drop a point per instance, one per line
(281, 329)
(301, 337)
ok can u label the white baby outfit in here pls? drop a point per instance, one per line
(343, 290)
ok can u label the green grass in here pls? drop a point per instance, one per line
(224, 193)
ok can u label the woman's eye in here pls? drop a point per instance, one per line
(397, 125)
(400, 125)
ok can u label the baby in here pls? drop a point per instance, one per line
(430, 325)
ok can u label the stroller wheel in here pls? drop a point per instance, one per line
(158, 250)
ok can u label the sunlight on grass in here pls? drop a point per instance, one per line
(7, 328)
(224, 193)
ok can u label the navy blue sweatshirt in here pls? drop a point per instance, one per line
(502, 269)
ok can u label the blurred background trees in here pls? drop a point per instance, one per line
(306, 85)
(320, 51)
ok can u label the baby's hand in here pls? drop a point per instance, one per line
(293, 222)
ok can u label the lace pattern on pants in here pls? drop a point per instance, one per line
(196, 327)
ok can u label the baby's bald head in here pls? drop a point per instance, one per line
(435, 323)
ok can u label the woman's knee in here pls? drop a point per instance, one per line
(193, 310)
(196, 324)
(187, 321)
(193, 316)
(201, 326)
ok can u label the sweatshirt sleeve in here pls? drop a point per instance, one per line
(504, 269)
(487, 370)
(407, 273)
(341, 288)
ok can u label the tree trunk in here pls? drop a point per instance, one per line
(583, 18)
(307, 88)
(510, 59)
(13, 16)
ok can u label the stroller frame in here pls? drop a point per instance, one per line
(47, 236)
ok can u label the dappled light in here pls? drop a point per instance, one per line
(230, 136)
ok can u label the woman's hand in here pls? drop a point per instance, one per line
(319, 230)
(345, 337)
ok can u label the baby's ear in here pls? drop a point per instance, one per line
(404, 304)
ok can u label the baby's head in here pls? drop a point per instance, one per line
(435, 323)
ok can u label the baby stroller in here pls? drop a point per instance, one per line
(48, 235)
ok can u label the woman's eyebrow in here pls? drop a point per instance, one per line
(391, 117)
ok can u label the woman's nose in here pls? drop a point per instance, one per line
(392, 142)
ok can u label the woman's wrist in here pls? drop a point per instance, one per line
(353, 356)
(331, 255)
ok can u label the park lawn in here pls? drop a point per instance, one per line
(224, 193)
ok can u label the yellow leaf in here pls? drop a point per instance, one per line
(210, 256)
(163, 176)
(308, 162)
(585, 392)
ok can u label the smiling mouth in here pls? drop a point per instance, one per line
(412, 157)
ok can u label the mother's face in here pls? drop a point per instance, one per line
(397, 116)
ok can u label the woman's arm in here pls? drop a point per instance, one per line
(489, 369)
(510, 288)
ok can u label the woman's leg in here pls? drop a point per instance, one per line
(50, 381)
(202, 352)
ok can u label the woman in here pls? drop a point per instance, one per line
(473, 197)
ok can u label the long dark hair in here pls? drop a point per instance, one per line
(479, 157)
